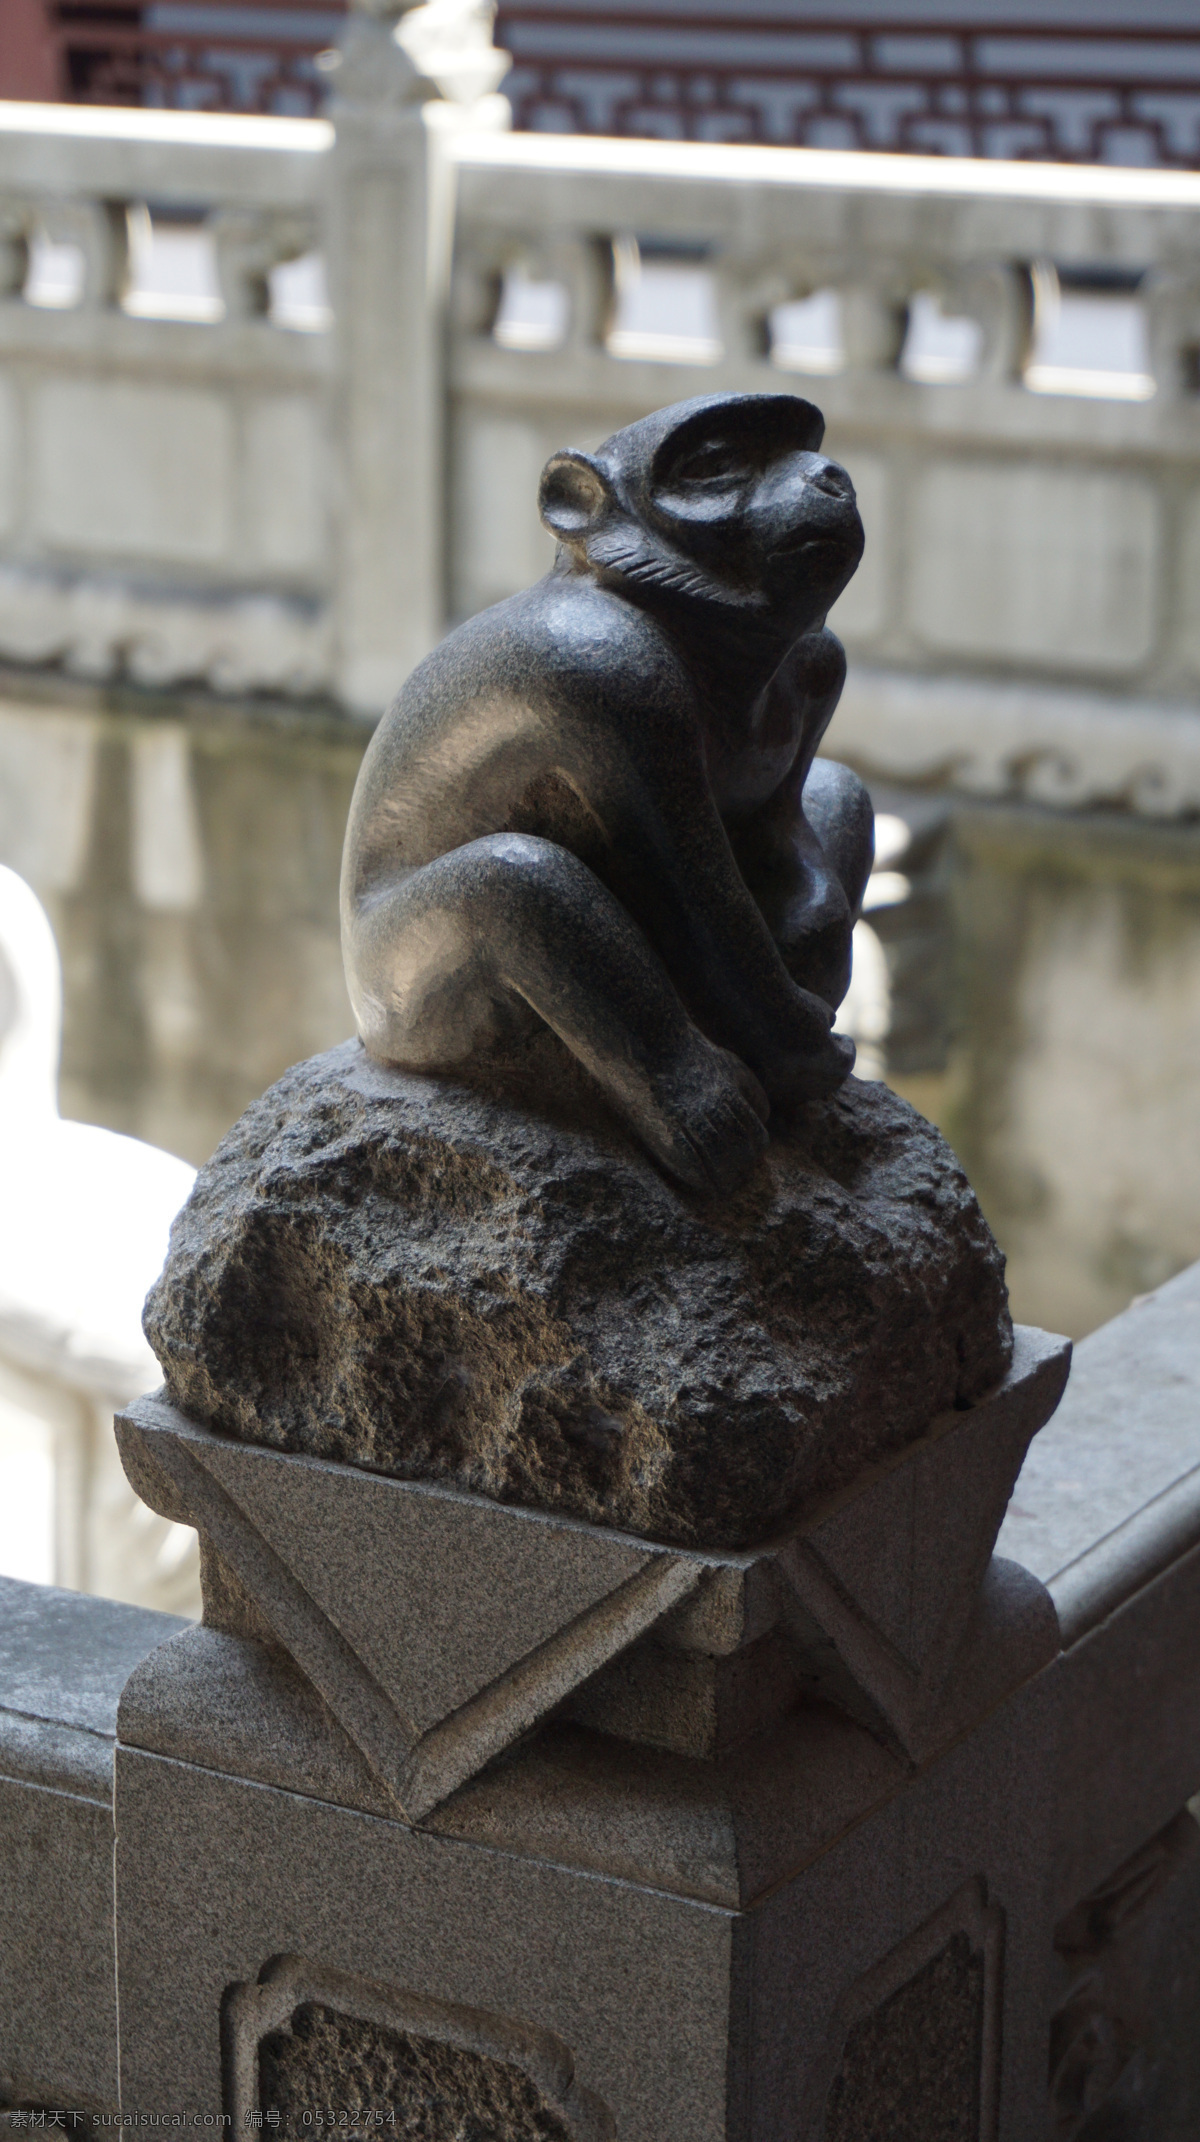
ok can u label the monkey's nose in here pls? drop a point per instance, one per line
(828, 477)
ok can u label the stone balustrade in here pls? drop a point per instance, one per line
(1042, 1839)
(1033, 531)
(163, 477)
(263, 497)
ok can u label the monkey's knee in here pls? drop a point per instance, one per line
(838, 808)
(467, 953)
(424, 960)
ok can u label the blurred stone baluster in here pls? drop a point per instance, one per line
(100, 229)
(401, 90)
(746, 297)
(249, 244)
(874, 325)
(476, 290)
(15, 221)
(387, 399)
(586, 269)
(1172, 300)
(998, 295)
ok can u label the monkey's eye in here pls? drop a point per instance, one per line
(717, 461)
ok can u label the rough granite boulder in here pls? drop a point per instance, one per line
(498, 1291)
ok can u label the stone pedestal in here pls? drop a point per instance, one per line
(500, 1813)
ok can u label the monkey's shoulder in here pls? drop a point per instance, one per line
(566, 643)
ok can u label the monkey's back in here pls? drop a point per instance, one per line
(518, 720)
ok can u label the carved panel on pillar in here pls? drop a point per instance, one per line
(303, 2043)
(915, 2046)
(1124, 2048)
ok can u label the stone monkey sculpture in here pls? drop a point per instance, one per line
(596, 806)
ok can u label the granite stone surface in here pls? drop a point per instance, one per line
(227, 1876)
(501, 1292)
(683, 2018)
(1110, 1496)
(64, 1658)
(1128, 1701)
(910, 2069)
(307, 2047)
(58, 2009)
(1124, 2049)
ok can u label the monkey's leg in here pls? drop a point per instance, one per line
(472, 944)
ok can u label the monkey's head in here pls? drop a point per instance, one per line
(723, 502)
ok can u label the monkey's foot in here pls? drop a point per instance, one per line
(813, 1075)
(706, 1119)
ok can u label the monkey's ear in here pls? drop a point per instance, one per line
(574, 494)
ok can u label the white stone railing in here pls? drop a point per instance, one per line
(1023, 621)
(269, 495)
(163, 479)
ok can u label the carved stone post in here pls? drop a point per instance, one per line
(399, 95)
(874, 324)
(387, 413)
(1172, 299)
(999, 295)
(449, 1802)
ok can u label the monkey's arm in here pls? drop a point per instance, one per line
(671, 864)
(806, 852)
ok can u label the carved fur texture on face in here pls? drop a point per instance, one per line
(723, 502)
